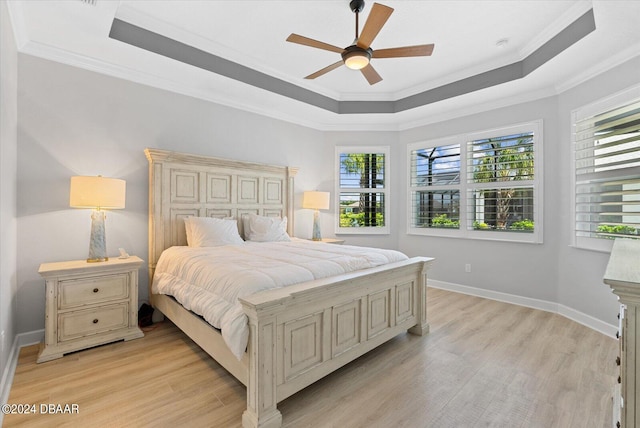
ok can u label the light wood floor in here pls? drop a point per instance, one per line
(484, 363)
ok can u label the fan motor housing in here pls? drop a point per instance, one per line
(356, 50)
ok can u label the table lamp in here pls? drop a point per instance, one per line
(316, 201)
(98, 193)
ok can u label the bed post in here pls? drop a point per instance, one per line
(291, 173)
(261, 386)
(156, 237)
(422, 327)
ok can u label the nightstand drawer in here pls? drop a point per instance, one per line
(73, 325)
(90, 290)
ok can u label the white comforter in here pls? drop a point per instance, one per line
(209, 281)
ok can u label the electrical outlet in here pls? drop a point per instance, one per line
(467, 267)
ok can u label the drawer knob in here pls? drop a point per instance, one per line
(619, 379)
(617, 335)
(95, 290)
(95, 321)
(617, 361)
(618, 424)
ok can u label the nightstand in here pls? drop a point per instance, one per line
(89, 304)
(332, 241)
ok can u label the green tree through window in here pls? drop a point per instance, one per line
(362, 189)
(501, 161)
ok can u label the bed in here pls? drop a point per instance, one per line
(296, 334)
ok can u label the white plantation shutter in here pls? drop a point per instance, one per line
(434, 184)
(482, 185)
(362, 189)
(500, 175)
(607, 168)
(505, 165)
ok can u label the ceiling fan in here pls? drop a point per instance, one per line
(359, 54)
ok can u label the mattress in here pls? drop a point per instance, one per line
(209, 280)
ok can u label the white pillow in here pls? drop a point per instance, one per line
(211, 232)
(259, 228)
(187, 228)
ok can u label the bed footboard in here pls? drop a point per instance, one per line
(301, 333)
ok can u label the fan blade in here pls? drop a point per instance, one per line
(377, 18)
(301, 40)
(419, 50)
(325, 70)
(371, 75)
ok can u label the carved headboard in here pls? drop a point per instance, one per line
(183, 185)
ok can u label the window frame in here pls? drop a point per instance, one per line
(465, 187)
(447, 232)
(603, 105)
(365, 230)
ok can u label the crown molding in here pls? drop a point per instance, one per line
(16, 15)
(600, 67)
(326, 121)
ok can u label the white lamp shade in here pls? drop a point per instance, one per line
(97, 192)
(316, 200)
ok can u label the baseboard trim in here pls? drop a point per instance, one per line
(21, 340)
(7, 375)
(543, 305)
(589, 321)
(30, 338)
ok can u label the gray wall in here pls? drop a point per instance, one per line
(495, 265)
(76, 122)
(73, 121)
(552, 271)
(8, 149)
(580, 273)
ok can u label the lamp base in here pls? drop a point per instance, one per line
(98, 260)
(98, 242)
(316, 236)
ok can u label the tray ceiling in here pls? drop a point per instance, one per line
(487, 53)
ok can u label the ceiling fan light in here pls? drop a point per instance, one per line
(356, 61)
(356, 58)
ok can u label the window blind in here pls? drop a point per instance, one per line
(436, 166)
(505, 158)
(500, 176)
(607, 170)
(362, 189)
(434, 183)
(481, 185)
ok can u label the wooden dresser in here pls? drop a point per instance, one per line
(623, 276)
(89, 304)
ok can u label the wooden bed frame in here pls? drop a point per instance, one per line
(300, 333)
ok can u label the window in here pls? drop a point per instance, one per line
(607, 172)
(362, 189)
(484, 185)
(500, 177)
(435, 183)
